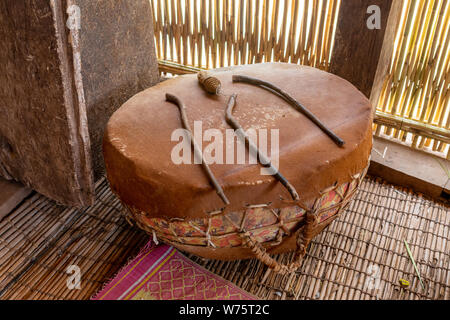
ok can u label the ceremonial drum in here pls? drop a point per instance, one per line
(223, 208)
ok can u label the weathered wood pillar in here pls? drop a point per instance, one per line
(387, 51)
(66, 65)
(357, 48)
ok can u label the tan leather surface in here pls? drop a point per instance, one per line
(137, 143)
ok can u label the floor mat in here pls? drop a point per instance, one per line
(52, 252)
(160, 272)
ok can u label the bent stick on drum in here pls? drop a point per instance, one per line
(292, 102)
(261, 157)
(197, 151)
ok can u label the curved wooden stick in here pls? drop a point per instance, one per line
(291, 101)
(263, 160)
(198, 153)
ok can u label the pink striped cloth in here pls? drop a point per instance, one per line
(162, 273)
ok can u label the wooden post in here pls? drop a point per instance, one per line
(11, 194)
(387, 51)
(66, 66)
(357, 48)
(118, 60)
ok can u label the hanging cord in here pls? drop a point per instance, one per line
(198, 152)
(292, 102)
(263, 160)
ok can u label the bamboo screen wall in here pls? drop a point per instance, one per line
(218, 33)
(414, 104)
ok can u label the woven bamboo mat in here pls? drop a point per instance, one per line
(40, 240)
(360, 256)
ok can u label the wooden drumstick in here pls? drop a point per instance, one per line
(291, 101)
(263, 160)
(198, 152)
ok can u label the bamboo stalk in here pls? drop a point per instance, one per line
(429, 131)
(415, 91)
(226, 32)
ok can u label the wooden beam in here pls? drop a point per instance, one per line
(11, 194)
(409, 125)
(67, 66)
(43, 144)
(117, 60)
(387, 51)
(403, 166)
(357, 48)
(176, 68)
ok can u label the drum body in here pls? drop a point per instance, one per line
(175, 201)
